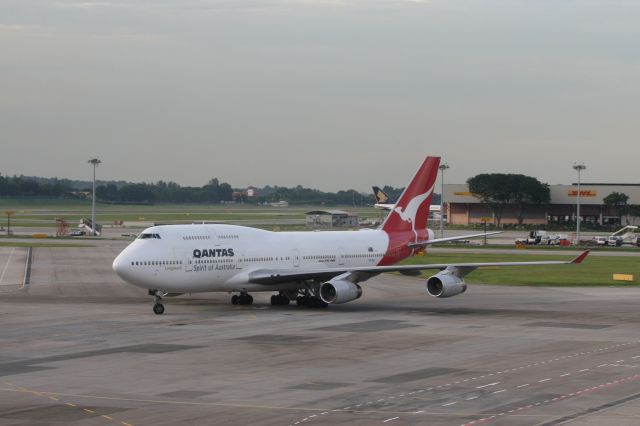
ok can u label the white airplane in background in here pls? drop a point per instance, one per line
(314, 268)
(384, 202)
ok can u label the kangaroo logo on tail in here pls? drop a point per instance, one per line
(411, 211)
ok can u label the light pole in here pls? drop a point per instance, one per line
(442, 168)
(579, 168)
(95, 162)
(9, 213)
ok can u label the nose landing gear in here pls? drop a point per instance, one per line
(158, 307)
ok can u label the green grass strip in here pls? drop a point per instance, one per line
(594, 271)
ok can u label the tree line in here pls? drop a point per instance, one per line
(20, 186)
(170, 192)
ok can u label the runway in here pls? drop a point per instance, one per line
(81, 347)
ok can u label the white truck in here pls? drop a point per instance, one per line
(537, 237)
(626, 235)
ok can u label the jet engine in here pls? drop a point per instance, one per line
(339, 291)
(445, 284)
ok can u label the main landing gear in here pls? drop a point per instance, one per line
(280, 299)
(311, 302)
(158, 307)
(242, 299)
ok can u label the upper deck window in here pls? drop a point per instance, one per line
(145, 236)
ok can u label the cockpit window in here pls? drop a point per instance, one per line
(145, 236)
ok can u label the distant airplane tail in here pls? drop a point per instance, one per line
(412, 209)
(381, 197)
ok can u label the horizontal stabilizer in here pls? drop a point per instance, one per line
(578, 259)
(447, 239)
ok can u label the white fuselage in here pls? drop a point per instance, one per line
(202, 258)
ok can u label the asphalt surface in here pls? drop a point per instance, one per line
(80, 347)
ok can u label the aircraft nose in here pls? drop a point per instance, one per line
(120, 266)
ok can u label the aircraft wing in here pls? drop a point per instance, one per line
(444, 240)
(362, 273)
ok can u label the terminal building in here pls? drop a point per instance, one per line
(331, 218)
(463, 208)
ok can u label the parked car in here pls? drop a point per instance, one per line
(601, 241)
(615, 241)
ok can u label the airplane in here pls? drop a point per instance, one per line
(313, 268)
(384, 202)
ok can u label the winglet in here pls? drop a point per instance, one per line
(580, 257)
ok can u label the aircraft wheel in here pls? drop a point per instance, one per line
(279, 300)
(234, 299)
(158, 309)
(301, 301)
(245, 299)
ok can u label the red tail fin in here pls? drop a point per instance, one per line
(412, 209)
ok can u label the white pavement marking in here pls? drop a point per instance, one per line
(6, 265)
(593, 351)
(583, 370)
(500, 391)
(392, 418)
(449, 403)
(543, 380)
(565, 374)
(487, 385)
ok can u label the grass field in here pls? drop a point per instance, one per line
(43, 213)
(594, 271)
(475, 245)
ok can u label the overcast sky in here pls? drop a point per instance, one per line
(327, 94)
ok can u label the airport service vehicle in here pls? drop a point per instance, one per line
(614, 241)
(600, 241)
(627, 235)
(541, 237)
(610, 241)
(313, 268)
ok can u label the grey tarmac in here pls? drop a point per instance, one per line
(80, 347)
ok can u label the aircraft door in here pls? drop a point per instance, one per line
(187, 262)
(214, 237)
(340, 256)
(295, 257)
